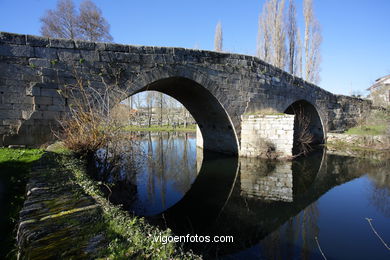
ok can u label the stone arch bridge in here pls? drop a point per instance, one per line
(241, 104)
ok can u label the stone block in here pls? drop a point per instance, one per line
(10, 114)
(90, 56)
(61, 43)
(39, 62)
(46, 53)
(49, 92)
(16, 50)
(58, 101)
(116, 47)
(39, 100)
(7, 106)
(37, 41)
(84, 45)
(11, 38)
(69, 55)
(57, 108)
(51, 115)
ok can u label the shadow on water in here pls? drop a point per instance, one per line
(273, 209)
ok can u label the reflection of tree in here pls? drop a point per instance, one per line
(309, 229)
(380, 198)
(161, 169)
(186, 166)
(171, 162)
(301, 229)
(380, 188)
(151, 187)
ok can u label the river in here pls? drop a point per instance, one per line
(302, 209)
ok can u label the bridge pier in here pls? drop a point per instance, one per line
(263, 136)
(267, 136)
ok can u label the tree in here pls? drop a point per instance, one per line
(313, 40)
(218, 37)
(149, 106)
(272, 34)
(93, 26)
(298, 66)
(65, 22)
(265, 32)
(62, 22)
(292, 37)
(279, 37)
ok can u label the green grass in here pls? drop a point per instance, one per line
(14, 168)
(164, 128)
(367, 130)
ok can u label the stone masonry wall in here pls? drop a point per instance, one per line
(218, 87)
(267, 136)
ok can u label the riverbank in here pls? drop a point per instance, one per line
(66, 215)
(359, 145)
(15, 165)
(157, 128)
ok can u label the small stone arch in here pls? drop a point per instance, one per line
(307, 123)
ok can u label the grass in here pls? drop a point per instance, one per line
(376, 122)
(368, 130)
(15, 165)
(164, 128)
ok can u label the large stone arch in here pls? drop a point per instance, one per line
(215, 124)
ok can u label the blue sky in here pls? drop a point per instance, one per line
(356, 34)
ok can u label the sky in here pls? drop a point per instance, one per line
(356, 35)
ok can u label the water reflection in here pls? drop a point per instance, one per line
(266, 180)
(273, 209)
(166, 174)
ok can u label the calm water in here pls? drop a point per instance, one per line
(274, 210)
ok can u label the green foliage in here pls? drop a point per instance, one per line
(14, 167)
(367, 130)
(377, 122)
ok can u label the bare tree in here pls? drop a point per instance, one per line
(298, 65)
(93, 26)
(272, 34)
(149, 106)
(292, 37)
(65, 22)
(279, 37)
(313, 41)
(62, 22)
(218, 39)
(265, 32)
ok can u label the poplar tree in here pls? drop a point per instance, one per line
(218, 38)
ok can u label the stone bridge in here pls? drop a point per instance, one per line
(241, 104)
